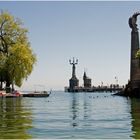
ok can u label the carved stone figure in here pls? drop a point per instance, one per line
(133, 20)
(73, 66)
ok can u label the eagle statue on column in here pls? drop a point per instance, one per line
(133, 20)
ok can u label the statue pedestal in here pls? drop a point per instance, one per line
(73, 83)
(134, 85)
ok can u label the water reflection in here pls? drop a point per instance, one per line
(74, 109)
(135, 112)
(80, 109)
(87, 107)
(15, 120)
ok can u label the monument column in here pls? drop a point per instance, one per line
(134, 66)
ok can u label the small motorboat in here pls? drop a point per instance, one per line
(37, 94)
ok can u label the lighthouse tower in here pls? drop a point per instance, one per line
(87, 81)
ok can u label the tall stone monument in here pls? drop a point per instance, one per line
(135, 64)
(73, 82)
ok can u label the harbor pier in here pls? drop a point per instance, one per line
(87, 83)
(94, 89)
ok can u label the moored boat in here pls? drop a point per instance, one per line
(14, 94)
(36, 94)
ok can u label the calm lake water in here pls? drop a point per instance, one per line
(70, 115)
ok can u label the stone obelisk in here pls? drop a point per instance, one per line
(135, 64)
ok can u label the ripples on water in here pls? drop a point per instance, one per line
(70, 115)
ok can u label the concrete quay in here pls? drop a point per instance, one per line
(94, 89)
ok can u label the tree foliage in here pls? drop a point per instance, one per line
(138, 54)
(20, 63)
(16, 56)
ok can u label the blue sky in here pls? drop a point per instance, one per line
(97, 33)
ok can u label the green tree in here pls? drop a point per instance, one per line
(138, 54)
(16, 56)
